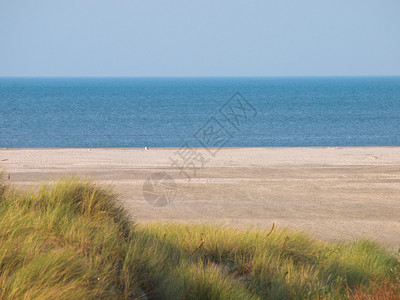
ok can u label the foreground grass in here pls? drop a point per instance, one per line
(73, 240)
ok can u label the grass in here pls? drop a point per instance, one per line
(73, 240)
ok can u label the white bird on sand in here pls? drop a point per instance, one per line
(145, 148)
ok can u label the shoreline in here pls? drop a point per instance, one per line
(171, 148)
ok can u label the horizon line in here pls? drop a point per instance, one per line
(194, 77)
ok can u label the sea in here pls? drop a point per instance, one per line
(199, 112)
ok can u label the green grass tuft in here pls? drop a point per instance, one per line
(65, 241)
(73, 240)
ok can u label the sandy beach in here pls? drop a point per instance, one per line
(334, 193)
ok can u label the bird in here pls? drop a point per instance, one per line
(145, 148)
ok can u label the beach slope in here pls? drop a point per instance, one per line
(334, 193)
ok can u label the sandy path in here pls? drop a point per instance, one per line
(335, 193)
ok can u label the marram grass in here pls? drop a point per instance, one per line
(72, 240)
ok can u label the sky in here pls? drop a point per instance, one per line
(182, 38)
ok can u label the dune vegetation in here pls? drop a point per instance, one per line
(73, 240)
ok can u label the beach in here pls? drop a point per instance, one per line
(334, 193)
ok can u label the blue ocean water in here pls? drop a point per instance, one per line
(167, 112)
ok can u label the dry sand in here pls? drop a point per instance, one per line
(334, 193)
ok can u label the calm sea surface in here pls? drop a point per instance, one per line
(132, 112)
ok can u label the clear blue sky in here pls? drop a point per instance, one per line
(199, 38)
